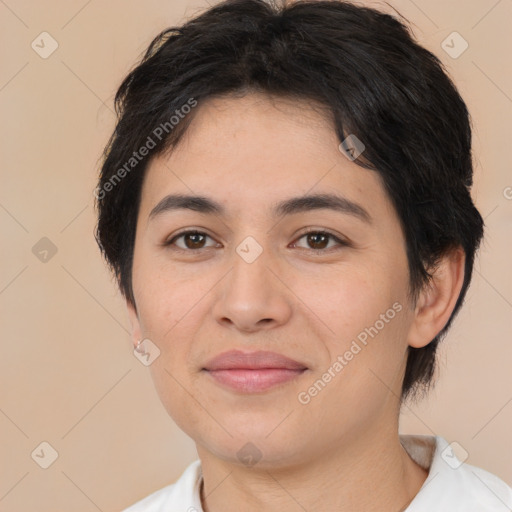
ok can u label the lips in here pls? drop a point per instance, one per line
(253, 372)
(261, 360)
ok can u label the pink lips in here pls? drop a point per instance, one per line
(254, 371)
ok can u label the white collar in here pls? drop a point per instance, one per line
(451, 485)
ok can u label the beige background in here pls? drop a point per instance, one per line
(68, 376)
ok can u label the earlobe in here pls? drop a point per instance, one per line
(437, 300)
(136, 333)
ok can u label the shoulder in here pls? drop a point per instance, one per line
(183, 495)
(483, 489)
(452, 485)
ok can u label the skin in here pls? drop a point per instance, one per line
(341, 451)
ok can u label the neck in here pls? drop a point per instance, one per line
(368, 473)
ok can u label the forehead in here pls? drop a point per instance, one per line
(258, 150)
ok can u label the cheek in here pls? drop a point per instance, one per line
(170, 311)
(346, 301)
(358, 314)
(165, 298)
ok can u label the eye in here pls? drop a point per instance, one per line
(193, 240)
(319, 240)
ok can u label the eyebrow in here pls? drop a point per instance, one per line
(290, 206)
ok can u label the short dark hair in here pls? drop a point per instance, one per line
(365, 69)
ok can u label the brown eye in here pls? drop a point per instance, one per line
(319, 240)
(192, 240)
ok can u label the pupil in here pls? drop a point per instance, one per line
(314, 236)
(191, 236)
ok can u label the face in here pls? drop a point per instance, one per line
(321, 285)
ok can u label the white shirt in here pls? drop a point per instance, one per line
(451, 486)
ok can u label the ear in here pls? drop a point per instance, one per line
(437, 300)
(135, 323)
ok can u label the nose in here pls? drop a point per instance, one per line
(253, 296)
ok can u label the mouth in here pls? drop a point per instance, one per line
(253, 372)
(254, 381)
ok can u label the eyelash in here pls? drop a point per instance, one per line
(339, 241)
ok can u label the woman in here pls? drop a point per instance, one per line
(285, 202)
